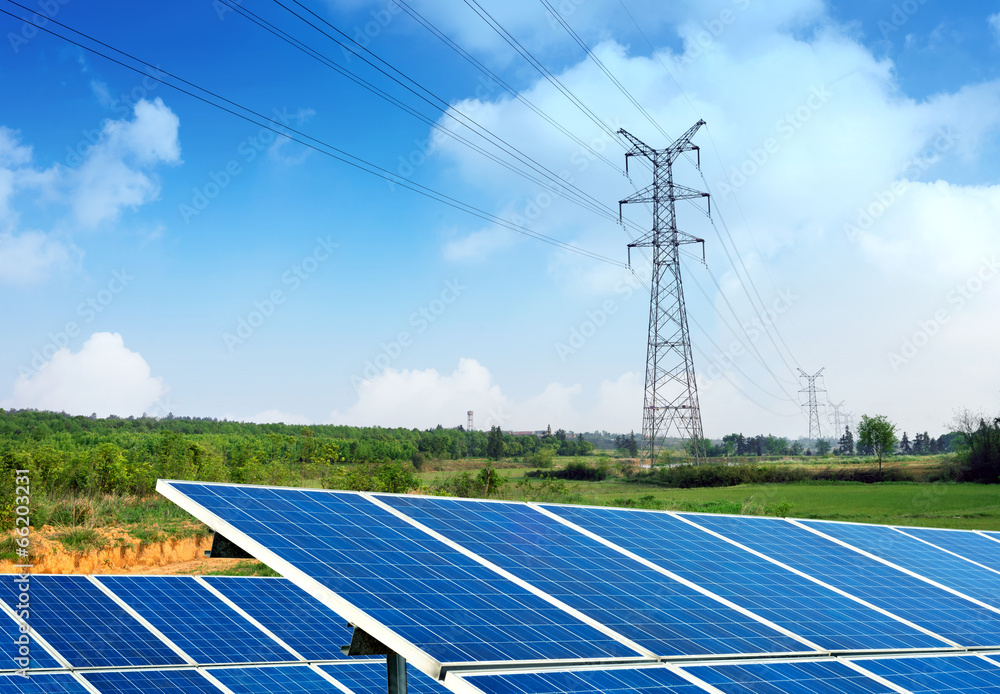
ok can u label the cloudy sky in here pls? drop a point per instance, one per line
(159, 254)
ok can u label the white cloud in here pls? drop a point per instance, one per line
(30, 256)
(103, 377)
(426, 398)
(478, 245)
(113, 176)
(278, 417)
(994, 21)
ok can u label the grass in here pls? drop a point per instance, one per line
(81, 540)
(246, 567)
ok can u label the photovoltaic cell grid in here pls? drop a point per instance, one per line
(653, 680)
(905, 596)
(41, 684)
(954, 675)
(970, 545)
(789, 600)
(433, 596)
(211, 631)
(806, 677)
(38, 656)
(653, 610)
(86, 626)
(150, 682)
(919, 557)
(294, 616)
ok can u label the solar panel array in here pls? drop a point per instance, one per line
(513, 598)
(197, 635)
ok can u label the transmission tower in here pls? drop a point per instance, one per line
(812, 403)
(838, 418)
(671, 399)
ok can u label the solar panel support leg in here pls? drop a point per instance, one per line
(395, 669)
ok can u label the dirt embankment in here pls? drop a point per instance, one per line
(122, 554)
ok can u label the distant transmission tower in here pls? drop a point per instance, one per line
(671, 399)
(812, 403)
(838, 418)
(470, 421)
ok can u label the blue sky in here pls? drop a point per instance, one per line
(158, 254)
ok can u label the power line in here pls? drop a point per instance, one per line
(281, 129)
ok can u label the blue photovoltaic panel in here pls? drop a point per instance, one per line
(805, 608)
(918, 557)
(288, 680)
(653, 610)
(908, 597)
(431, 595)
(294, 616)
(41, 684)
(39, 657)
(949, 675)
(151, 682)
(199, 623)
(86, 626)
(370, 678)
(969, 544)
(653, 680)
(791, 678)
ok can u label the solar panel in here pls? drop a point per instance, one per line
(919, 557)
(297, 618)
(151, 681)
(290, 680)
(647, 680)
(210, 632)
(381, 570)
(910, 598)
(805, 677)
(41, 684)
(87, 627)
(662, 614)
(37, 655)
(941, 675)
(969, 544)
(831, 620)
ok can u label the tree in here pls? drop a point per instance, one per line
(846, 443)
(877, 433)
(904, 445)
(494, 443)
(822, 446)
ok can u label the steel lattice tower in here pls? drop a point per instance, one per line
(812, 403)
(837, 421)
(671, 399)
